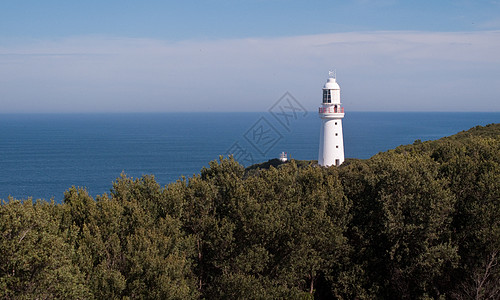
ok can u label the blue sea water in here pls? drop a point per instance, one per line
(42, 155)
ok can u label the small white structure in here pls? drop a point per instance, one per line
(331, 140)
(283, 157)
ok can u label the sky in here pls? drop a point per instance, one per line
(243, 55)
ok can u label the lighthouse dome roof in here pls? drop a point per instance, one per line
(332, 84)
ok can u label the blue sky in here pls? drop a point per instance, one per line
(142, 56)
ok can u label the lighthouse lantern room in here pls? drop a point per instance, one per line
(331, 142)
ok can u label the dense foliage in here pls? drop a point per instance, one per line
(420, 221)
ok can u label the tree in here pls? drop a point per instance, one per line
(128, 245)
(278, 230)
(473, 169)
(401, 224)
(36, 262)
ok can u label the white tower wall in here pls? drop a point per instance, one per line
(335, 96)
(331, 143)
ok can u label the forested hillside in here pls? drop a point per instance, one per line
(420, 221)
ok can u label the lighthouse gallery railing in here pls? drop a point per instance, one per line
(330, 110)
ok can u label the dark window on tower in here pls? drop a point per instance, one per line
(327, 97)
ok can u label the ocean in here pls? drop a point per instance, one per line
(42, 155)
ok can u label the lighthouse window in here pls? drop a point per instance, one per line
(336, 134)
(336, 146)
(335, 123)
(327, 97)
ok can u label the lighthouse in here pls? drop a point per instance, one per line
(331, 140)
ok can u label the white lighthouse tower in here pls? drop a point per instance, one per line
(331, 140)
